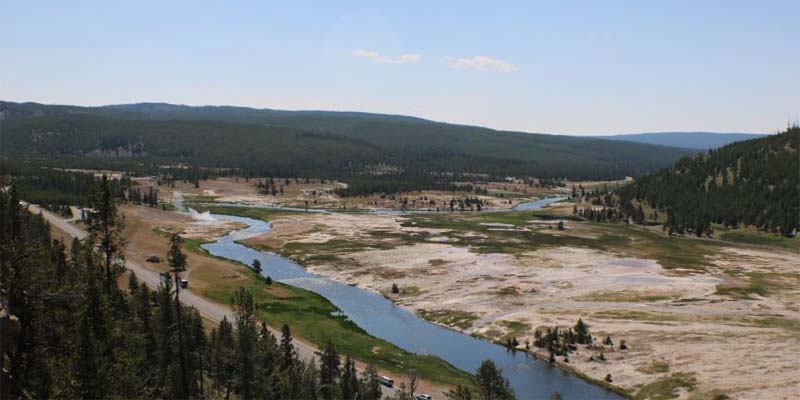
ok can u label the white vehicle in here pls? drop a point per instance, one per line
(423, 397)
(386, 381)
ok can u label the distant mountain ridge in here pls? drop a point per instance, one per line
(313, 143)
(688, 140)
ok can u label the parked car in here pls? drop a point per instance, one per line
(386, 381)
(423, 397)
(153, 259)
(184, 283)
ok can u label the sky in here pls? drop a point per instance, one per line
(569, 67)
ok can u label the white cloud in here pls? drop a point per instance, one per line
(378, 57)
(481, 63)
(598, 36)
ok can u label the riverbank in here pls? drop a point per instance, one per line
(687, 308)
(378, 316)
(312, 318)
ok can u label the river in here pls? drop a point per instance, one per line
(531, 378)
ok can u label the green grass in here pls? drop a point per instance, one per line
(321, 259)
(399, 238)
(314, 318)
(710, 395)
(788, 324)
(473, 221)
(666, 388)
(670, 252)
(636, 315)
(508, 291)
(755, 237)
(193, 245)
(762, 284)
(409, 291)
(436, 262)
(264, 214)
(655, 367)
(188, 199)
(307, 252)
(453, 318)
(515, 328)
(623, 296)
(755, 286)
(161, 232)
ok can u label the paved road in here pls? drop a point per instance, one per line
(209, 309)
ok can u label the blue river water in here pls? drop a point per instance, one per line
(531, 378)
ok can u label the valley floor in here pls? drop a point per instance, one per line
(701, 317)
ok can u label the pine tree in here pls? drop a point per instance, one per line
(460, 393)
(372, 387)
(133, 283)
(244, 309)
(491, 383)
(329, 371)
(177, 262)
(288, 354)
(348, 383)
(582, 332)
(106, 229)
(91, 348)
(166, 333)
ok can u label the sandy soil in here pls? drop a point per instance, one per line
(144, 242)
(742, 346)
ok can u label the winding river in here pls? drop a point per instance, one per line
(530, 377)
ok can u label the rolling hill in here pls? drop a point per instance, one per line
(311, 143)
(751, 183)
(689, 140)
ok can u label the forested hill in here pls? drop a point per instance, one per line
(314, 142)
(753, 183)
(689, 140)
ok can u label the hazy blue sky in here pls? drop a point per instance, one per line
(556, 66)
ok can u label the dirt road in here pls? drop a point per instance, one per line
(208, 309)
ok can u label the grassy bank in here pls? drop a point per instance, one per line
(264, 214)
(313, 318)
(756, 237)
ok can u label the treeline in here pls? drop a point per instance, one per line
(77, 335)
(45, 186)
(402, 182)
(148, 197)
(57, 189)
(416, 154)
(69, 331)
(752, 183)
